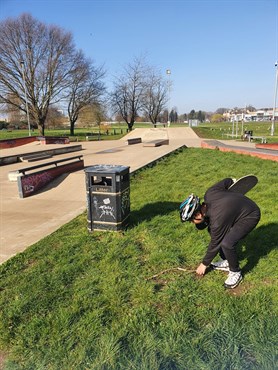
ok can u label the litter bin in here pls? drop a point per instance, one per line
(108, 197)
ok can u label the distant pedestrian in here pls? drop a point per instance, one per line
(229, 217)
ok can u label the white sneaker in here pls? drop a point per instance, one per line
(222, 265)
(234, 278)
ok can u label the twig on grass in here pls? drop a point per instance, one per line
(168, 270)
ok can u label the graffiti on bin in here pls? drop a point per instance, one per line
(125, 204)
(104, 208)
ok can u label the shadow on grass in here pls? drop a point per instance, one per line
(259, 243)
(151, 210)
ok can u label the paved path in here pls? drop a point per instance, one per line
(25, 221)
(242, 148)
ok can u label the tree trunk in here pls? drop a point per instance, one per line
(41, 129)
(72, 128)
(41, 125)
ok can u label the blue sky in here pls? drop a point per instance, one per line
(221, 53)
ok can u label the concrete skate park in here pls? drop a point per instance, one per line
(24, 221)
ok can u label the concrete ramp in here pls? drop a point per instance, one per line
(181, 133)
(170, 133)
(146, 134)
(155, 134)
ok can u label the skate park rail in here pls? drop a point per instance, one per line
(29, 180)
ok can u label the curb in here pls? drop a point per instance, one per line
(219, 146)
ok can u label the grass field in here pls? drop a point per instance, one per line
(79, 300)
(113, 133)
(226, 131)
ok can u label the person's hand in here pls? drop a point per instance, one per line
(201, 269)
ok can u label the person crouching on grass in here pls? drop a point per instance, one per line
(229, 217)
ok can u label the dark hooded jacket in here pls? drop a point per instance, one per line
(224, 209)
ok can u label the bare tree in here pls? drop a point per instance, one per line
(155, 97)
(127, 97)
(55, 117)
(86, 88)
(221, 110)
(173, 116)
(250, 108)
(14, 114)
(39, 57)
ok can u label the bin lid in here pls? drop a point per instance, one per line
(106, 168)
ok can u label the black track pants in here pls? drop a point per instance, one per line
(239, 231)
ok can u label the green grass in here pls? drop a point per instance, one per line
(114, 133)
(79, 300)
(224, 130)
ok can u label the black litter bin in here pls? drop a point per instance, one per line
(108, 199)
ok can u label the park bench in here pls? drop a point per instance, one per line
(154, 143)
(263, 139)
(90, 136)
(31, 179)
(134, 140)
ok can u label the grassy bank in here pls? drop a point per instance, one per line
(76, 300)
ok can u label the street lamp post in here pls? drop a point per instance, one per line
(243, 117)
(168, 72)
(25, 93)
(274, 104)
